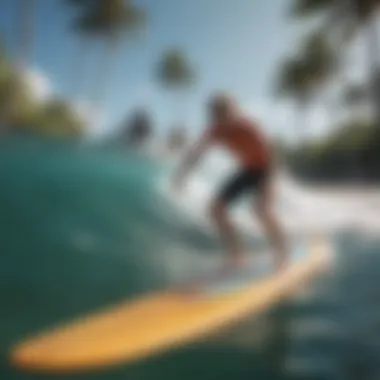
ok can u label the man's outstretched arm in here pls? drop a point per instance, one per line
(191, 159)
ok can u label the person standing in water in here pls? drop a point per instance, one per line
(243, 138)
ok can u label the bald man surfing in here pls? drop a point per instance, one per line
(242, 137)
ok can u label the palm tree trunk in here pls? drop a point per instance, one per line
(343, 10)
(102, 80)
(25, 33)
(301, 122)
(374, 68)
(77, 73)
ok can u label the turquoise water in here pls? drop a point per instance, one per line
(85, 227)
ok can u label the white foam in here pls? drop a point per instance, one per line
(301, 208)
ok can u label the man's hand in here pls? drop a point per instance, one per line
(189, 162)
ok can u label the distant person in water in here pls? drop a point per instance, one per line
(139, 129)
(242, 137)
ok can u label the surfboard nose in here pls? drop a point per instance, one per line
(22, 357)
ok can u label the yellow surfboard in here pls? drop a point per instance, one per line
(146, 326)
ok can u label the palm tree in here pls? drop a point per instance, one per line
(25, 32)
(293, 82)
(57, 118)
(175, 73)
(12, 92)
(7, 83)
(111, 20)
(303, 77)
(82, 9)
(108, 20)
(337, 13)
(346, 17)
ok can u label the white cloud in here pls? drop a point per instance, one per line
(99, 126)
(274, 114)
(83, 110)
(39, 83)
(42, 89)
(95, 119)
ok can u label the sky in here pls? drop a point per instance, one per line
(234, 45)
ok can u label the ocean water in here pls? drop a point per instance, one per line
(86, 227)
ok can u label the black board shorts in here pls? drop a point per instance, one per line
(242, 182)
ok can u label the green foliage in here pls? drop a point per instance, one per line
(107, 18)
(351, 152)
(57, 118)
(300, 76)
(15, 96)
(20, 110)
(362, 8)
(307, 8)
(319, 57)
(292, 79)
(174, 70)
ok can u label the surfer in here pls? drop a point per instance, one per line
(243, 138)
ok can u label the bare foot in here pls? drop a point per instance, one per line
(190, 289)
(229, 266)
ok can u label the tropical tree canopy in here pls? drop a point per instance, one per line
(361, 8)
(109, 18)
(292, 79)
(57, 118)
(306, 8)
(20, 110)
(174, 70)
(303, 74)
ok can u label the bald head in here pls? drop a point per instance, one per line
(222, 107)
